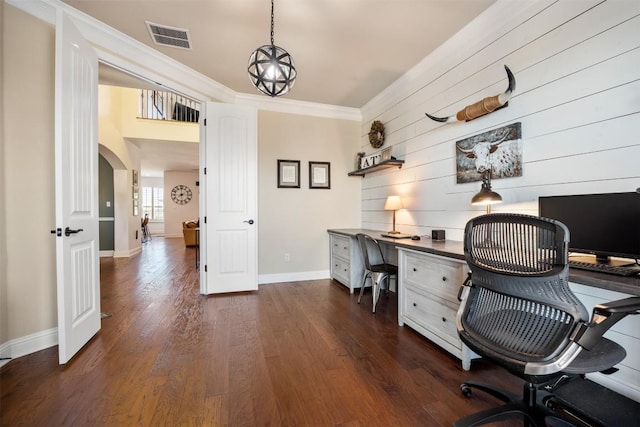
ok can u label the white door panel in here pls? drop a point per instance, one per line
(231, 198)
(77, 253)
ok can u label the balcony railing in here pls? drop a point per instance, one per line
(163, 105)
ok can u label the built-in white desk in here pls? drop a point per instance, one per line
(430, 274)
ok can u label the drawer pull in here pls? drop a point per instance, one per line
(415, 305)
(444, 319)
(345, 248)
(415, 269)
(444, 278)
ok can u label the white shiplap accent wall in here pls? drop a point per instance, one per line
(577, 66)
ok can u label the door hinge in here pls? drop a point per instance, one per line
(205, 122)
(205, 268)
(205, 219)
(205, 171)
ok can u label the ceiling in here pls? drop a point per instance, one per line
(157, 156)
(345, 51)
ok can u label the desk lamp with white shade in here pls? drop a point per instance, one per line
(393, 203)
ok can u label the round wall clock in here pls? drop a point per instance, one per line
(181, 194)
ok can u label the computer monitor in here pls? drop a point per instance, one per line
(605, 225)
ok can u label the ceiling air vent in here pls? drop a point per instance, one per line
(169, 36)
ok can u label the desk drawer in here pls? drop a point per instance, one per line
(340, 270)
(434, 314)
(434, 275)
(340, 246)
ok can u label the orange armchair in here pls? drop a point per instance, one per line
(189, 231)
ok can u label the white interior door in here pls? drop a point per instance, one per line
(77, 250)
(231, 195)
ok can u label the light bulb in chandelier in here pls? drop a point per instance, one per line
(271, 70)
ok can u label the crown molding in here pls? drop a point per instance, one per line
(114, 47)
(121, 51)
(292, 106)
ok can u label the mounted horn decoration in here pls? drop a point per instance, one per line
(480, 108)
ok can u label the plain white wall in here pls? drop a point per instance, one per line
(577, 66)
(174, 213)
(295, 220)
(3, 234)
(28, 171)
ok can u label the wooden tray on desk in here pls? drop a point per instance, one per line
(396, 236)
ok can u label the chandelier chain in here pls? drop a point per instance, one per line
(272, 23)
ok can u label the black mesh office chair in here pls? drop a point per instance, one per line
(518, 311)
(376, 268)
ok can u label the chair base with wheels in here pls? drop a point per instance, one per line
(530, 407)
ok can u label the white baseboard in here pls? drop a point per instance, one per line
(127, 254)
(28, 344)
(5, 352)
(106, 254)
(264, 279)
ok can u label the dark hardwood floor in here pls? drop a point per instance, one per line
(291, 354)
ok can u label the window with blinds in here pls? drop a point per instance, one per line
(153, 203)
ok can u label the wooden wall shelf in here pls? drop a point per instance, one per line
(382, 165)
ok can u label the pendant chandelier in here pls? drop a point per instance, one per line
(271, 68)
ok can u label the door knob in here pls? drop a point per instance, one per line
(68, 232)
(250, 222)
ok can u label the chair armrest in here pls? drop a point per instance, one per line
(604, 316)
(629, 305)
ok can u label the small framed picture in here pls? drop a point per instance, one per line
(288, 173)
(134, 179)
(386, 154)
(320, 175)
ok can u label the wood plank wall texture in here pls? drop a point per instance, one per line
(577, 66)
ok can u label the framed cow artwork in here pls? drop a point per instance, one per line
(498, 151)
